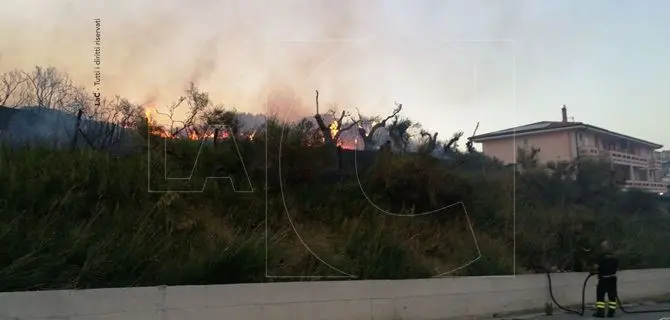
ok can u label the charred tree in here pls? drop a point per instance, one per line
(398, 133)
(431, 144)
(452, 143)
(332, 133)
(325, 130)
(368, 136)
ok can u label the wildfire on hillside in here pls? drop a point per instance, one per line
(190, 133)
(151, 122)
(195, 134)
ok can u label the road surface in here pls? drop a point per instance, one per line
(619, 315)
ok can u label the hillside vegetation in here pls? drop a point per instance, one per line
(289, 203)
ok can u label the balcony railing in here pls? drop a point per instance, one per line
(589, 151)
(651, 186)
(623, 158)
(655, 164)
(619, 157)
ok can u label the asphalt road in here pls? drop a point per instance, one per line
(619, 315)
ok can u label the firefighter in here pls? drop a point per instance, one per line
(606, 267)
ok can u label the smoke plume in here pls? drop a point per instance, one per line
(359, 54)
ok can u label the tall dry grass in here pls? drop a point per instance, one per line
(83, 219)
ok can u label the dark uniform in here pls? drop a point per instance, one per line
(608, 265)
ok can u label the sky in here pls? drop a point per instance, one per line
(450, 63)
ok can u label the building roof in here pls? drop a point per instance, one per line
(552, 126)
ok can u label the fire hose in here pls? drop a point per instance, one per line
(583, 306)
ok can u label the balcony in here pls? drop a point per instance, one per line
(655, 164)
(622, 158)
(650, 186)
(589, 152)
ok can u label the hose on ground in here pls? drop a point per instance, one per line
(583, 306)
(577, 312)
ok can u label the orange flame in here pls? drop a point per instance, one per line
(154, 128)
(333, 129)
(157, 130)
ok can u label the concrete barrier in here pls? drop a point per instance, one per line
(338, 300)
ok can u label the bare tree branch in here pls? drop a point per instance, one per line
(49, 88)
(453, 142)
(368, 136)
(171, 115)
(470, 143)
(11, 82)
(431, 143)
(398, 132)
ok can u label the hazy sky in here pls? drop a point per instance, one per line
(451, 63)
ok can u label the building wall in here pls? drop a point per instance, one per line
(555, 146)
(588, 140)
(644, 151)
(630, 162)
